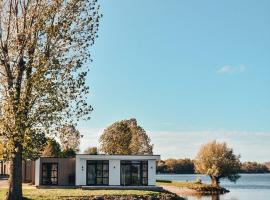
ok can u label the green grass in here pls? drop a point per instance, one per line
(199, 187)
(75, 194)
(180, 184)
(51, 194)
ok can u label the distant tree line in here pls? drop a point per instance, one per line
(254, 167)
(267, 164)
(186, 166)
(176, 166)
(68, 145)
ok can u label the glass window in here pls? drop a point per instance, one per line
(106, 181)
(134, 172)
(49, 173)
(97, 172)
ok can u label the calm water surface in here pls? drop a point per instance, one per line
(248, 187)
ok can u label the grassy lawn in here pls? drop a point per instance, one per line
(181, 184)
(199, 187)
(52, 194)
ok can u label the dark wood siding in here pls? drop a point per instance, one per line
(28, 171)
(66, 170)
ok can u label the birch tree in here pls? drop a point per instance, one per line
(44, 47)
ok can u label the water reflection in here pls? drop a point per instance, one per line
(249, 186)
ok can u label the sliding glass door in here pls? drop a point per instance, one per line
(49, 174)
(97, 172)
(134, 173)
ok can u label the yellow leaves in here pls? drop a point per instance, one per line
(216, 159)
(1, 150)
(125, 137)
(51, 38)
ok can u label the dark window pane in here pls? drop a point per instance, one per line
(145, 173)
(145, 181)
(145, 167)
(105, 173)
(105, 181)
(105, 167)
(49, 173)
(91, 174)
(99, 181)
(134, 172)
(100, 172)
(99, 167)
(54, 167)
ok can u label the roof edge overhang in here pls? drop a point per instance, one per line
(117, 157)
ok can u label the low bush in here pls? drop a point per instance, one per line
(164, 181)
(198, 181)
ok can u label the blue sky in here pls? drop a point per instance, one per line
(188, 71)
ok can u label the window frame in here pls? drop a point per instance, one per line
(141, 163)
(102, 176)
(57, 172)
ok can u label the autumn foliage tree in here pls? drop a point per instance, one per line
(69, 138)
(125, 137)
(176, 166)
(52, 148)
(253, 167)
(1, 150)
(44, 46)
(267, 164)
(218, 161)
(91, 151)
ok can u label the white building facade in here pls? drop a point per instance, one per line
(115, 170)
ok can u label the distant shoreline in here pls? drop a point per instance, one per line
(203, 174)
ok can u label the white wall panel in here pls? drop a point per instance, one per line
(114, 172)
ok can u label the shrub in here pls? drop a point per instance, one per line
(164, 181)
(198, 181)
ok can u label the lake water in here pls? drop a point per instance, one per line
(248, 187)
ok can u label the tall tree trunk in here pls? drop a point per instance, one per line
(15, 179)
(215, 197)
(215, 181)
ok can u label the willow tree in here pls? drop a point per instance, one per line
(218, 161)
(44, 46)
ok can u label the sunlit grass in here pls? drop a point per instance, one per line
(199, 187)
(51, 194)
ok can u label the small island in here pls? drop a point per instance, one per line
(214, 159)
(191, 188)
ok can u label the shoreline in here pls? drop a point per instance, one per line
(184, 191)
(191, 188)
(205, 175)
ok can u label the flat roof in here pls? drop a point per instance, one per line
(118, 157)
(102, 154)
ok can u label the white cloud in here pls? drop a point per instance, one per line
(253, 146)
(90, 137)
(250, 145)
(228, 69)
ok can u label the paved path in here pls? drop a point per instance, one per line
(182, 192)
(3, 182)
